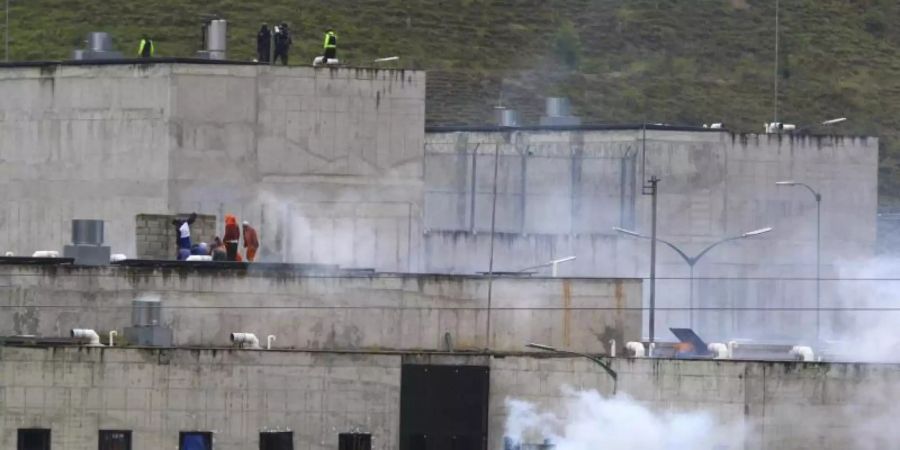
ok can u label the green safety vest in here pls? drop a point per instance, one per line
(144, 43)
(330, 40)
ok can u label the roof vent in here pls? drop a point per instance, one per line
(87, 243)
(99, 46)
(146, 324)
(215, 39)
(558, 113)
(507, 117)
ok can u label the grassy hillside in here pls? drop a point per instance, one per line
(675, 61)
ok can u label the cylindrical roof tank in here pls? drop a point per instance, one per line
(557, 107)
(99, 41)
(87, 232)
(217, 38)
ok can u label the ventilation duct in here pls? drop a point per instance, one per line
(215, 39)
(558, 113)
(507, 117)
(99, 46)
(87, 243)
(146, 324)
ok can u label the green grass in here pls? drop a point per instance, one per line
(675, 61)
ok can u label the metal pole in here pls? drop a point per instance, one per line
(6, 33)
(818, 266)
(651, 189)
(487, 337)
(691, 297)
(775, 119)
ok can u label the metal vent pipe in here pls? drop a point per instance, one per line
(87, 232)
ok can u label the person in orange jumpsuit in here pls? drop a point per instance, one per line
(251, 241)
(232, 237)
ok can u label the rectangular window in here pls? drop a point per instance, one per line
(195, 440)
(280, 440)
(354, 441)
(34, 439)
(115, 440)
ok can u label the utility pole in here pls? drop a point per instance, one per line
(775, 117)
(651, 189)
(6, 34)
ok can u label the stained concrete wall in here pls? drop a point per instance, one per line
(238, 393)
(305, 311)
(560, 193)
(81, 142)
(233, 394)
(299, 152)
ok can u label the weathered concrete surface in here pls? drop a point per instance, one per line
(784, 405)
(560, 193)
(299, 152)
(238, 393)
(384, 311)
(234, 394)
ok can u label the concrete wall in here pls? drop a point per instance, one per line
(155, 236)
(237, 393)
(561, 192)
(233, 394)
(81, 142)
(299, 152)
(327, 311)
(328, 161)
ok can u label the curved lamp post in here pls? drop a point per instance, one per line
(595, 358)
(693, 260)
(818, 198)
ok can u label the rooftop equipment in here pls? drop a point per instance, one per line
(87, 243)
(98, 46)
(215, 39)
(557, 113)
(146, 324)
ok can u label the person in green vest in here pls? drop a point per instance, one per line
(146, 49)
(330, 46)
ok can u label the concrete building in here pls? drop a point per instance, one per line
(561, 192)
(238, 396)
(296, 151)
(335, 168)
(326, 309)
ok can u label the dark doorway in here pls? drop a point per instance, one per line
(354, 441)
(34, 439)
(115, 440)
(443, 407)
(276, 440)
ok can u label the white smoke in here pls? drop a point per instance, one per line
(867, 336)
(589, 421)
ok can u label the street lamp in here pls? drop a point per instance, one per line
(609, 370)
(693, 260)
(554, 265)
(818, 198)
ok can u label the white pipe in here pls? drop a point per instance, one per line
(719, 350)
(612, 348)
(731, 346)
(112, 334)
(389, 58)
(635, 348)
(245, 339)
(87, 336)
(45, 254)
(269, 339)
(803, 353)
(555, 264)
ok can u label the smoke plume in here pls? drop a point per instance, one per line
(588, 421)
